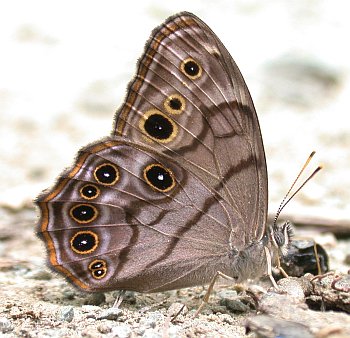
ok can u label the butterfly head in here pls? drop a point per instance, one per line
(280, 236)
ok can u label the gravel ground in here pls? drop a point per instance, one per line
(64, 70)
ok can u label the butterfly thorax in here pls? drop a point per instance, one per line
(249, 263)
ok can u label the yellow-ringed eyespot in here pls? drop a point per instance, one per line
(158, 177)
(84, 242)
(89, 191)
(98, 268)
(175, 104)
(191, 68)
(83, 213)
(158, 126)
(106, 174)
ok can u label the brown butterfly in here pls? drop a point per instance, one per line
(178, 193)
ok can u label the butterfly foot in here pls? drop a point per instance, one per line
(119, 299)
(210, 289)
(199, 310)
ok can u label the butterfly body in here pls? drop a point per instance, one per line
(179, 190)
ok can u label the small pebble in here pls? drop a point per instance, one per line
(111, 314)
(66, 313)
(5, 325)
(268, 326)
(104, 328)
(235, 305)
(292, 287)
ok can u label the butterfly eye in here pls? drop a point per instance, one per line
(158, 126)
(84, 242)
(83, 213)
(89, 191)
(175, 104)
(191, 68)
(98, 268)
(159, 177)
(106, 174)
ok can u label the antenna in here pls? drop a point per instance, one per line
(285, 201)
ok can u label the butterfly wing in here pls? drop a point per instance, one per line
(189, 126)
(189, 101)
(127, 217)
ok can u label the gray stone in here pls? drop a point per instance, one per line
(268, 326)
(5, 325)
(105, 327)
(66, 313)
(234, 305)
(112, 313)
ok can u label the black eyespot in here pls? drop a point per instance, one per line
(89, 191)
(159, 127)
(98, 268)
(98, 274)
(83, 213)
(97, 264)
(159, 177)
(84, 242)
(175, 104)
(191, 68)
(106, 174)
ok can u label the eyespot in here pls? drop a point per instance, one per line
(158, 126)
(83, 213)
(106, 174)
(175, 104)
(89, 191)
(191, 68)
(159, 177)
(98, 268)
(84, 242)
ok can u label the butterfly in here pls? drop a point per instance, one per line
(178, 193)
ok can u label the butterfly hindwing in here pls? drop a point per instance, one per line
(136, 212)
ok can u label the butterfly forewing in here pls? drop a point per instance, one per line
(215, 133)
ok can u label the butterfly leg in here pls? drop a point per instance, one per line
(210, 289)
(279, 267)
(319, 270)
(269, 267)
(119, 299)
